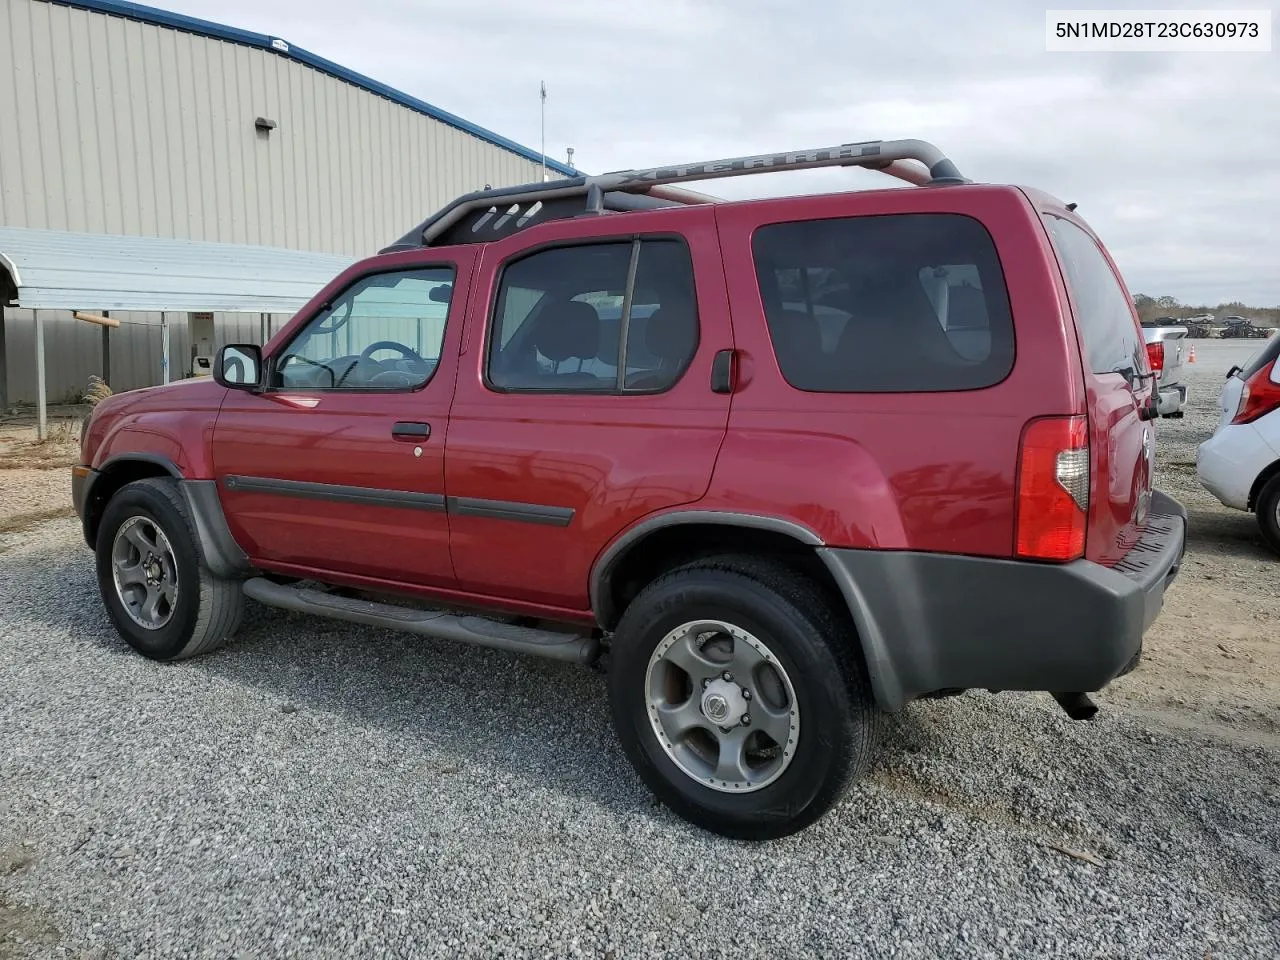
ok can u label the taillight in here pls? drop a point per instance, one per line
(1261, 395)
(1155, 354)
(1053, 488)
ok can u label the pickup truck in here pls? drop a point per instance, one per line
(1165, 338)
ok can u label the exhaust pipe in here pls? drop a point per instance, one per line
(1078, 706)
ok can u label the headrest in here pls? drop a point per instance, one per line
(670, 333)
(568, 330)
(893, 329)
(796, 334)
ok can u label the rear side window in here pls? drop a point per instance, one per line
(598, 318)
(1262, 358)
(1103, 315)
(902, 303)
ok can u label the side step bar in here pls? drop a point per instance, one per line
(483, 632)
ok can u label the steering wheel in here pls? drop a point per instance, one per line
(393, 378)
(407, 352)
(319, 369)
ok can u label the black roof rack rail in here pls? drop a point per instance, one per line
(505, 210)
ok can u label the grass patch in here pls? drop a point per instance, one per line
(61, 448)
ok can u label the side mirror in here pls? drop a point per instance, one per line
(239, 366)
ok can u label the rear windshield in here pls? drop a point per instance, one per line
(1262, 357)
(1103, 315)
(907, 302)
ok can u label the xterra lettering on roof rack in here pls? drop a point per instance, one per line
(501, 212)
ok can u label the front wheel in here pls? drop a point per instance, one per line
(1268, 510)
(739, 697)
(155, 586)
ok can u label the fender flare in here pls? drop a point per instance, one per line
(884, 680)
(159, 460)
(222, 555)
(605, 565)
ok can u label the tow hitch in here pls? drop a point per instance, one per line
(1077, 705)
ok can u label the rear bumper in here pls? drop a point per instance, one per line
(932, 622)
(1229, 462)
(1171, 399)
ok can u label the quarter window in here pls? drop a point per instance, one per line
(602, 318)
(1102, 309)
(385, 332)
(908, 302)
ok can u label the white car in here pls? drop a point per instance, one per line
(1240, 463)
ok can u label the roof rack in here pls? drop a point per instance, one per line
(506, 210)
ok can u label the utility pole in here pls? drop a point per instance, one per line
(544, 131)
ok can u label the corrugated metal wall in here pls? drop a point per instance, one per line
(73, 350)
(109, 125)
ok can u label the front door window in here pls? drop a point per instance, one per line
(382, 333)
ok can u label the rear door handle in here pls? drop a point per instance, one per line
(407, 430)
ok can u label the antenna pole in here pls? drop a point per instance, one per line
(544, 131)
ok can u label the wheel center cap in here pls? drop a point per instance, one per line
(716, 707)
(723, 703)
(155, 572)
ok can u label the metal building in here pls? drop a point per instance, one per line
(123, 120)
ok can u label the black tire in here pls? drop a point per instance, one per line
(817, 648)
(1268, 509)
(206, 610)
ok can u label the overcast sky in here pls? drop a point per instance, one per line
(1173, 158)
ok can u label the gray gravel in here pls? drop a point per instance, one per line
(318, 789)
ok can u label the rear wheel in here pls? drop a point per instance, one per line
(154, 584)
(1268, 510)
(738, 697)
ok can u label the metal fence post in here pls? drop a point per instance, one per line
(4, 365)
(106, 351)
(42, 424)
(164, 347)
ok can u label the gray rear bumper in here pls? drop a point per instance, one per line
(1171, 400)
(932, 621)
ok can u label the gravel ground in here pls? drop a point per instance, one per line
(29, 490)
(1214, 655)
(318, 789)
(28, 495)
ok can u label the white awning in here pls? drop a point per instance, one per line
(54, 270)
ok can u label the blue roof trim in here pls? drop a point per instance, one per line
(206, 28)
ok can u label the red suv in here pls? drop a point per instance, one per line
(788, 463)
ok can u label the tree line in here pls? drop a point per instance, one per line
(1151, 307)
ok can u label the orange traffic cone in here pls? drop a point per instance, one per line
(1191, 357)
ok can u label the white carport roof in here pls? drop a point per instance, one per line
(54, 270)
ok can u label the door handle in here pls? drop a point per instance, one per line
(722, 372)
(406, 430)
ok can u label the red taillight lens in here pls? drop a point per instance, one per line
(1261, 395)
(1155, 354)
(1053, 488)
